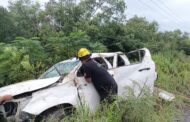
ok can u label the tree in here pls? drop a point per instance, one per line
(27, 17)
(112, 34)
(64, 15)
(13, 64)
(6, 25)
(21, 60)
(170, 40)
(35, 52)
(69, 16)
(104, 10)
(140, 33)
(63, 47)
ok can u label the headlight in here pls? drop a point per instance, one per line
(26, 116)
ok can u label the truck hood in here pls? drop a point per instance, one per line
(27, 86)
(42, 100)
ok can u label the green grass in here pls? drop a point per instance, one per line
(174, 72)
(145, 109)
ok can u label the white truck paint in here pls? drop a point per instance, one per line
(73, 89)
(51, 97)
(27, 86)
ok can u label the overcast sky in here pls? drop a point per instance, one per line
(170, 14)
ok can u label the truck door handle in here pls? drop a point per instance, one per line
(140, 70)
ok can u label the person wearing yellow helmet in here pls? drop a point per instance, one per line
(83, 54)
(101, 79)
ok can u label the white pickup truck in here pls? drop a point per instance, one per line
(63, 86)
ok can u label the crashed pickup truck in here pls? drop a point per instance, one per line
(63, 86)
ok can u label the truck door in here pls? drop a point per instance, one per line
(137, 74)
(88, 94)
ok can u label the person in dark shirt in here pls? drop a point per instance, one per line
(102, 80)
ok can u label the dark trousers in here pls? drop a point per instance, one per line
(108, 93)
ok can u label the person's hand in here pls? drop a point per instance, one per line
(5, 98)
(88, 80)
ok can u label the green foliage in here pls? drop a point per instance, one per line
(6, 25)
(185, 45)
(66, 14)
(112, 35)
(14, 65)
(36, 53)
(58, 31)
(55, 33)
(173, 71)
(27, 16)
(28, 58)
(104, 10)
(21, 60)
(170, 40)
(103, 22)
(62, 47)
(140, 33)
(70, 16)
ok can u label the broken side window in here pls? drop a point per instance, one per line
(100, 61)
(120, 61)
(110, 59)
(136, 56)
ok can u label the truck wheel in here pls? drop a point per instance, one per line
(55, 114)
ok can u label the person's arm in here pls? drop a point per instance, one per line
(87, 74)
(87, 78)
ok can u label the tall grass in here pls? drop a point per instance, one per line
(173, 72)
(145, 109)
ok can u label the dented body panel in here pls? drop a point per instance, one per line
(71, 87)
(54, 96)
(27, 86)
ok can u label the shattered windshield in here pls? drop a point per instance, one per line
(59, 69)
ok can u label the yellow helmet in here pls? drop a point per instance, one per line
(83, 52)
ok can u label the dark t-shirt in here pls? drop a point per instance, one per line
(102, 80)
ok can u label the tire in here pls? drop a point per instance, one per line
(55, 114)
